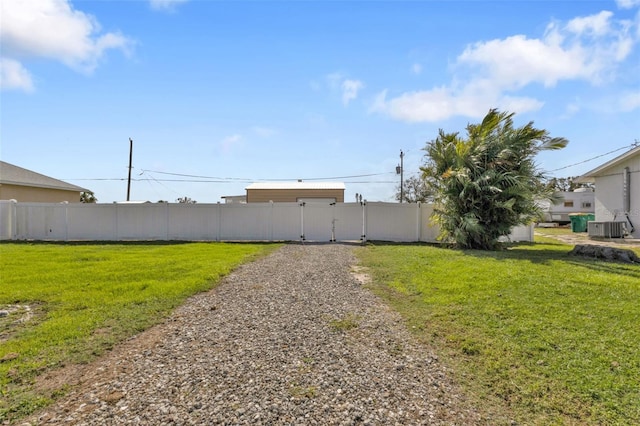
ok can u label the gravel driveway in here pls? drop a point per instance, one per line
(292, 338)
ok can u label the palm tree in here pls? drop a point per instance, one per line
(486, 183)
(88, 197)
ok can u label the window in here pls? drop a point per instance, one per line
(586, 205)
(568, 203)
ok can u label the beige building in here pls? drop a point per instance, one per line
(24, 185)
(291, 192)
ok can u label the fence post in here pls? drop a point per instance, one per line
(363, 237)
(166, 221)
(218, 234)
(14, 219)
(270, 220)
(419, 219)
(66, 220)
(117, 229)
(302, 221)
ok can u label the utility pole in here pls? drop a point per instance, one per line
(400, 171)
(130, 160)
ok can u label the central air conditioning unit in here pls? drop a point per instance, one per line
(606, 229)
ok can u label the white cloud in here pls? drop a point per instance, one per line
(572, 109)
(597, 25)
(627, 4)
(334, 80)
(416, 69)
(350, 89)
(337, 82)
(53, 29)
(264, 132)
(166, 5)
(488, 74)
(442, 103)
(13, 76)
(228, 143)
(586, 48)
(629, 102)
(517, 61)
(315, 86)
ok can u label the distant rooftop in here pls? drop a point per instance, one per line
(14, 175)
(296, 185)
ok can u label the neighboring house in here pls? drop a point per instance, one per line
(234, 199)
(582, 200)
(24, 185)
(282, 192)
(617, 193)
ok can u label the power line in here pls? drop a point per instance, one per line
(274, 180)
(592, 158)
(151, 179)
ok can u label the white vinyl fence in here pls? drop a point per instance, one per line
(222, 222)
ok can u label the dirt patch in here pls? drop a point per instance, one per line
(361, 274)
(103, 369)
(13, 317)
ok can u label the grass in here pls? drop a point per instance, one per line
(561, 230)
(346, 323)
(532, 335)
(68, 303)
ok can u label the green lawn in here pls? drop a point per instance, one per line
(532, 334)
(80, 299)
(561, 230)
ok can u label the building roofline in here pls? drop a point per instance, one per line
(11, 174)
(296, 185)
(592, 174)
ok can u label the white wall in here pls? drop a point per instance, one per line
(609, 196)
(222, 222)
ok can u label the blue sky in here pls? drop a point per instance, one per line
(218, 94)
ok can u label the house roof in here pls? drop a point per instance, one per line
(606, 167)
(14, 175)
(297, 185)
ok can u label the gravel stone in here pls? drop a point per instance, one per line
(293, 338)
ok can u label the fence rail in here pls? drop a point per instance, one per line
(223, 222)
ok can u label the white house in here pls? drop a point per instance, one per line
(617, 193)
(581, 200)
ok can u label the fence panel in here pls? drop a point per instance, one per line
(7, 219)
(349, 220)
(392, 222)
(41, 221)
(200, 222)
(318, 221)
(141, 221)
(521, 233)
(287, 221)
(429, 231)
(224, 222)
(246, 222)
(92, 222)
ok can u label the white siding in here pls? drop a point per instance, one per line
(609, 196)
